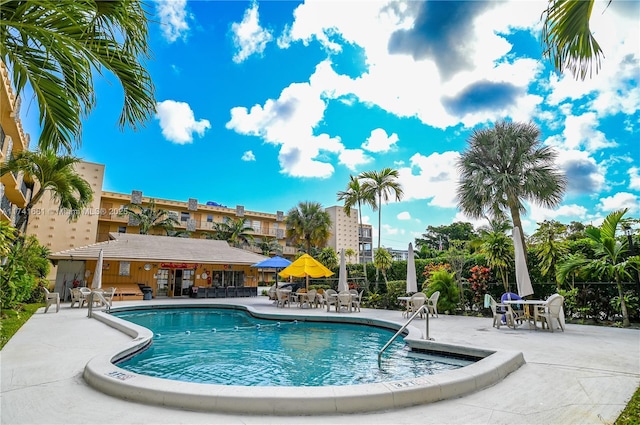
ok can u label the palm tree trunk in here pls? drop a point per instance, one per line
(623, 304)
(379, 232)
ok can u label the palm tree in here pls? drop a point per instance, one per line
(567, 38)
(504, 166)
(356, 195)
(56, 47)
(329, 258)
(235, 231)
(381, 184)
(551, 246)
(7, 236)
(612, 262)
(498, 249)
(149, 217)
(350, 253)
(382, 260)
(269, 246)
(309, 224)
(50, 173)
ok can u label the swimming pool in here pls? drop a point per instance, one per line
(103, 374)
(230, 347)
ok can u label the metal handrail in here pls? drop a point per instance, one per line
(101, 297)
(424, 307)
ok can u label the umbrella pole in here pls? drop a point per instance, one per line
(307, 283)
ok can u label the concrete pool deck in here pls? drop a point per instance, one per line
(585, 375)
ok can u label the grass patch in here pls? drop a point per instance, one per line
(12, 320)
(631, 414)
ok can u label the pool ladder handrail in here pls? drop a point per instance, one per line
(424, 307)
(101, 297)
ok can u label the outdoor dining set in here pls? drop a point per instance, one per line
(342, 301)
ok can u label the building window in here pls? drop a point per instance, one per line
(209, 218)
(184, 216)
(122, 229)
(125, 268)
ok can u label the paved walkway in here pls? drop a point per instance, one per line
(585, 375)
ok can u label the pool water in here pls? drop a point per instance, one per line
(230, 347)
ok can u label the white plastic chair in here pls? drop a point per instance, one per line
(344, 301)
(84, 295)
(432, 303)
(550, 311)
(356, 299)
(309, 298)
(283, 298)
(501, 309)
(51, 298)
(416, 301)
(330, 298)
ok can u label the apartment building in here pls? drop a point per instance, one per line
(344, 230)
(15, 193)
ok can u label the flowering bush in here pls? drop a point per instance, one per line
(480, 276)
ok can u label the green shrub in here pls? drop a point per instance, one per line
(445, 282)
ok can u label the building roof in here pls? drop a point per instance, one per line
(133, 247)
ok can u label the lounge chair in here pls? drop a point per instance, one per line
(432, 303)
(50, 299)
(550, 311)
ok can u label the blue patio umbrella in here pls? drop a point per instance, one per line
(273, 263)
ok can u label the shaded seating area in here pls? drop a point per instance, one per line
(225, 292)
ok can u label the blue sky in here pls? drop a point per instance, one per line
(265, 104)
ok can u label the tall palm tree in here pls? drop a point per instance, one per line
(498, 248)
(310, 224)
(551, 247)
(382, 184)
(56, 46)
(567, 38)
(612, 262)
(502, 167)
(356, 195)
(382, 260)
(269, 246)
(149, 217)
(50, 173)
(235, 231)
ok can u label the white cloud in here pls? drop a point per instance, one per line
(352, 158)
(248, 156)
(583, 173)
(405, 215)
(572, 212)
(178, 122)
(634, 178)
(249, 37)
(436, 178)
(173, 19)
(582, 131)
(379, 141)
(618, 201)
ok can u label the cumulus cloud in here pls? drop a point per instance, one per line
(249, 38)
(173, 19)
(379, 141)
(248, 156)
(178, 123)
(618, 201)
(584, 174)
(353, 158)
(431, 177)
(405, 215)
(634, 178)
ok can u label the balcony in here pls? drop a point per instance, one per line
(5, 205)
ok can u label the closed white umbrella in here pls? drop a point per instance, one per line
(97, 275)
(522, 273)
(412, 280)
(342, 279)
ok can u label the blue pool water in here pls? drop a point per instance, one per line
(230, 347)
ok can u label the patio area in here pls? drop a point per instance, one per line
(585, 375)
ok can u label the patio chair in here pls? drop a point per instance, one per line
(330, 298)
(309, 298)
(76, 296)
(517, 309)
(108, 295)
(356, 299)
(272, 293)
(432, 303)
(550, 311)
(84, 295)
(416, 301)
(344, 301)
(283, 298)
(498, 311)
(51, 298)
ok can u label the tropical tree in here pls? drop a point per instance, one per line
(612, 261)
(502, 167)
(269, 246)
(329, 258)
(308, 223)
(356, 195)
(550, 246)
(381, 184)
(498, 249)
(24, 269)
(349, 253)
(382, 261)
(54, 174)
(445, 282)
(439, 237)
(149, 217)
(236, 232)
(567, 38)
(7, 236)
(56, 47)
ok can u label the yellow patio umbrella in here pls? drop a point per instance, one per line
(306, 266)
